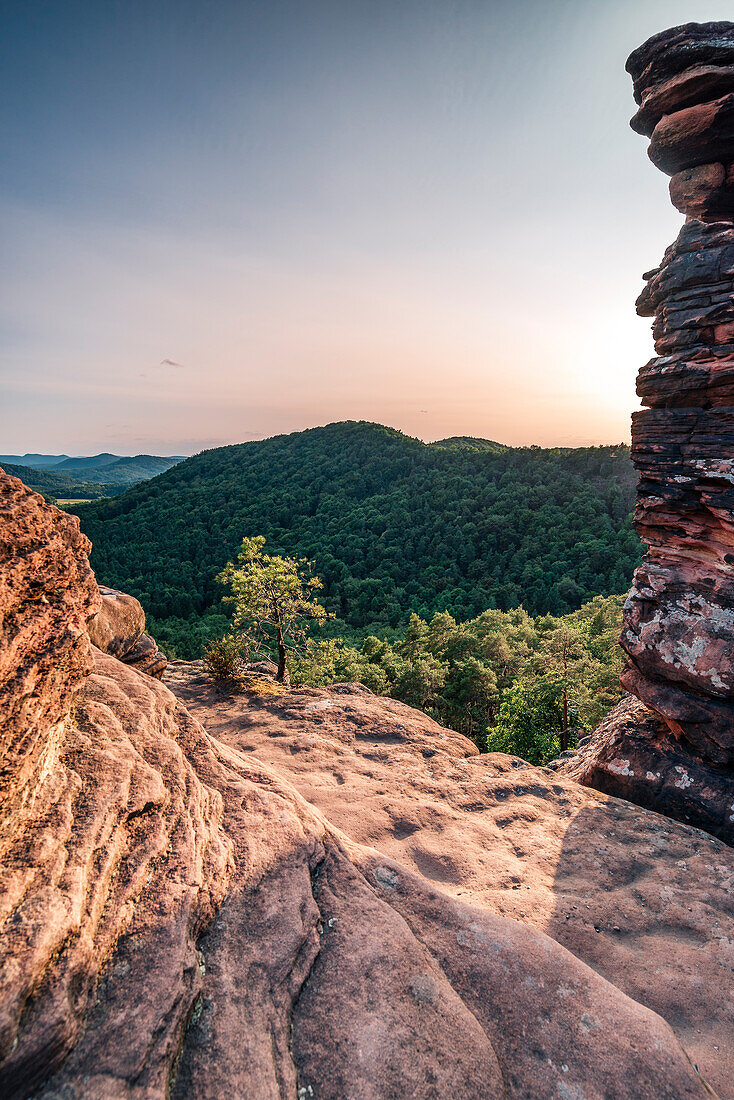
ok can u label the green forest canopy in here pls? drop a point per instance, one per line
(510, 682)
(392, 525)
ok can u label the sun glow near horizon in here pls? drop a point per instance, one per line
(409, 216)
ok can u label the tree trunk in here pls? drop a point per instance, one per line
(564, 732)
(282, 655)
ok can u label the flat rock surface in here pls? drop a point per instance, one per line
(647, 903)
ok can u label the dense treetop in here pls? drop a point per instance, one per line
(391, 524)
(513, 683)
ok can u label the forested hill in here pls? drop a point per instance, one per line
(392, 525)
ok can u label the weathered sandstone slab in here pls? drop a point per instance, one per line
(680, 49)
(701, 134)
(639, 898)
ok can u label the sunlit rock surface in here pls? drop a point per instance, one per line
(645, 902)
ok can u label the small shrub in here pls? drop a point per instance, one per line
(223, 658)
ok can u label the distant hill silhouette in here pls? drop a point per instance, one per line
(59, 486)
(36, 462)
(471, 443)
(93, 462)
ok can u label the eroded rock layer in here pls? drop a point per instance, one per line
(678, 627)
(176, 919)
(683, 82)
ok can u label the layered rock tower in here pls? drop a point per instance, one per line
(679, 617)
(678, 629)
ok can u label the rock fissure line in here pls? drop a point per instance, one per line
(417, 931)
(314, 873)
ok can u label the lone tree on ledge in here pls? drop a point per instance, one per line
(273, 599)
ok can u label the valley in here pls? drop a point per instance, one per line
(390, 524)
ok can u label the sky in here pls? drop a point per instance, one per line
(223, 221)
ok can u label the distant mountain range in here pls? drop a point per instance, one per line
(37, 462)
(62, 476)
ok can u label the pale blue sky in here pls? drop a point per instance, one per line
(432, 215)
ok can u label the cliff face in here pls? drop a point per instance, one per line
(112, 845)
(177, 919)
(678, 627)
(44, 656)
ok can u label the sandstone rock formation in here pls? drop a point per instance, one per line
(176, 919)
(44, 656)
(99, 803)
(679, 617)
(118, 628)
(631, 754)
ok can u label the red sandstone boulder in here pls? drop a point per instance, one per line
(118, 625)
(697, 84)
(632, 755)
(147, 657)
(701, 134)
(118, 628)
(705, 192)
